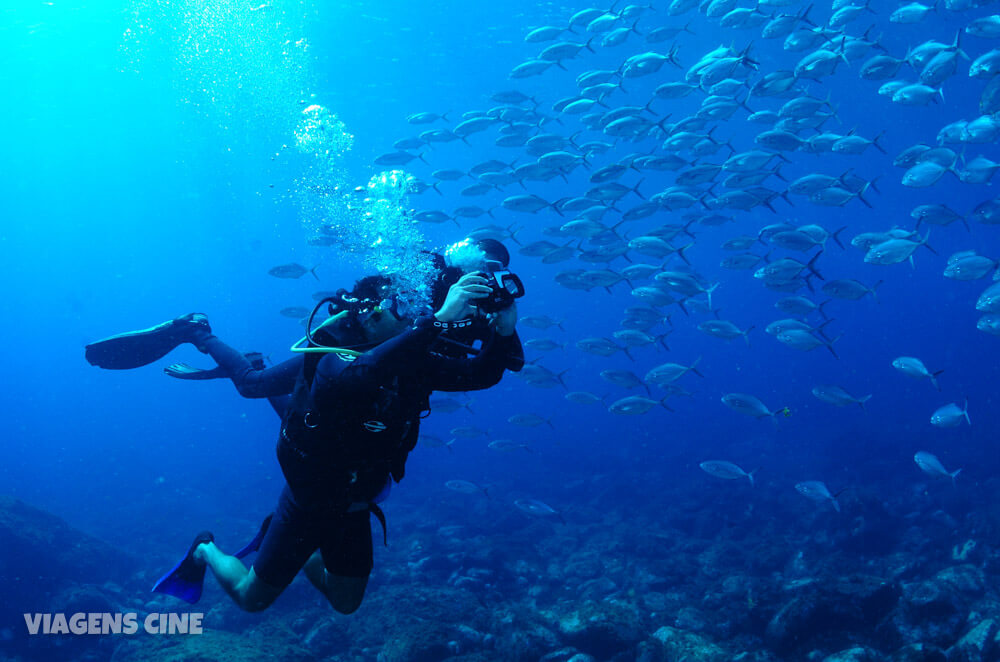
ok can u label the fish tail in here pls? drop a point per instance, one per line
(811, 265)
(836, 237)
(862, 401)
(829, 346)
(934, 376)
(875, 142)
(861, 195)
(694, 367)
(874, 293)
(313, 272)
(954, 475)
(559, 377)
(927, 239)
(965, 412)
(681, 255)
(746, 335)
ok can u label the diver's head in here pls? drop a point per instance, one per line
(379, 325)
(366, 316)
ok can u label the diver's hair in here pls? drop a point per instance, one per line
(371, 288)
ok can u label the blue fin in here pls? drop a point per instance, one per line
(186, 579)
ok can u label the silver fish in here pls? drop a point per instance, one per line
(915, 368)
(747, 404)
(932, 466)
(726, 470)
(465, 487)
(950, 415)
(635, 405)
(837, 396)
(817, 491)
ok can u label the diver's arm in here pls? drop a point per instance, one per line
(252, 383)
(479, 372)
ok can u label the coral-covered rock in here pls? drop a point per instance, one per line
(932, 612)
(919, 653)
(213, 646)
(601, 629)
(977, 645)
(855, 654)
(48, 566)
(680, 645)
(829, 617)
(427, 642)
(966, 579)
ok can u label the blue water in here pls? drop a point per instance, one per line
(130, 197)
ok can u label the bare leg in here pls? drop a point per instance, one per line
(344, 593)
(242, 585)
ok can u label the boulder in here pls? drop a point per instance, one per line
(932, 612)
(918, 653)
(855, 654)
(830, 616)
(680, 645)
(977, 645)
(48, 566)
(601, 629)
(213, 646)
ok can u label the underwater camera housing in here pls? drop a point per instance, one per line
(505, 287)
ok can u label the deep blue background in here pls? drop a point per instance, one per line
(129, 197)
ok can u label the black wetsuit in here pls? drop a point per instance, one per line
(347, 429)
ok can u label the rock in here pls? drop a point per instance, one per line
(561, 655)
(856, 654)
(931, 612)
(966, 579)
(528, 644)
(919, 653)
(425, 642)
(214, 646)
(690, 619)
(829, 617)
(601, 629)
(977, 645)
(327, 637)
(680, 645)
(44, 557)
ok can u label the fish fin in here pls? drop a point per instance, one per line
(829, 346)
(954, 475)
(873, 291)
(863, 400)
(965, 412)
(875, 142)
(313, 272)
(934, 376)
(836, 237)
(811, 265)
(694, 367)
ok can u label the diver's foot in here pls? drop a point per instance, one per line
(200, 553)
(193, 328)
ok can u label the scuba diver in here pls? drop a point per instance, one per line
(351, 401)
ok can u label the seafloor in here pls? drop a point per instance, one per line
(703, 577)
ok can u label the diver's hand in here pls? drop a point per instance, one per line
(506, 320)
(461, 296)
